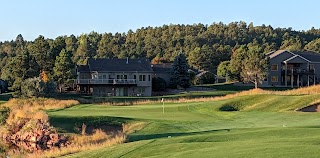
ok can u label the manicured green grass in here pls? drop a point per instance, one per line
(265, 126)
(192, 94)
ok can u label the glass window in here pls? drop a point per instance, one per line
(141, 90)
(142, 77)
(274, 79)
(274, 67)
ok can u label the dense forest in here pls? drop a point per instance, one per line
(205, 46)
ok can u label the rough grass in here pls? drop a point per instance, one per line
(34, 104)
(82, 143)
(30, 110)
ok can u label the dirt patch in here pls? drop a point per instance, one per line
(105, 128)
(311, 108)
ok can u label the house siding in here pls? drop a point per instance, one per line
(298, 73)
(277, 60)
(116, 83)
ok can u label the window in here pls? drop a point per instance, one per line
(311, 67)
(141, 90)
(274, 79)
(135, 77)
(142, 77)
(83, 76)
(149, 78)
(122, 77)
(274, 67)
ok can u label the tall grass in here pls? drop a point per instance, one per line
(40, 103)
(98, 139)
(25, 110)
(300, 91)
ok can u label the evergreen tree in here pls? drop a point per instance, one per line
(63, 69)
(104, 47)
(40, 49)
(71, 44)
(22, 66)
(179, 72)
(313, 46)
(82, 53)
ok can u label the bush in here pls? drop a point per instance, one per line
(158, 84)
(233, 106)
(207, 78)
(4, 113)
(228, 108)
(35, 87)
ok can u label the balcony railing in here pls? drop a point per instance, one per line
(299, 71)
(106, 81)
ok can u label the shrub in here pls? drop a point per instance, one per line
(228, 108)
(206, 78)
(35, 87)
(4, 113)
(158, 84)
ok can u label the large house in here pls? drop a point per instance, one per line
(115, 77)
(294, 69)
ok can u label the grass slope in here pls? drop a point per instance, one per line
(265, 126)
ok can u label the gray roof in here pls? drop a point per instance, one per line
(83, 68)
(117, 65)
(309, 55)
(162, 68)
(203, 73)
(273, 54)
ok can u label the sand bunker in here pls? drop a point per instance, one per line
(311, 108)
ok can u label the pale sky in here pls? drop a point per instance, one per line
(52, 18)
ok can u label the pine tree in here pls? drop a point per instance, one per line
(179, 72)
(63, 69)
(22, 67)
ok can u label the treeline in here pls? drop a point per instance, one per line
(204, 45)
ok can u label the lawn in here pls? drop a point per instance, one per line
(264, 126)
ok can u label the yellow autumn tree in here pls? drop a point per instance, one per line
(44, 76)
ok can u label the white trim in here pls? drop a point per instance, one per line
(282, 52)
(297, 56)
